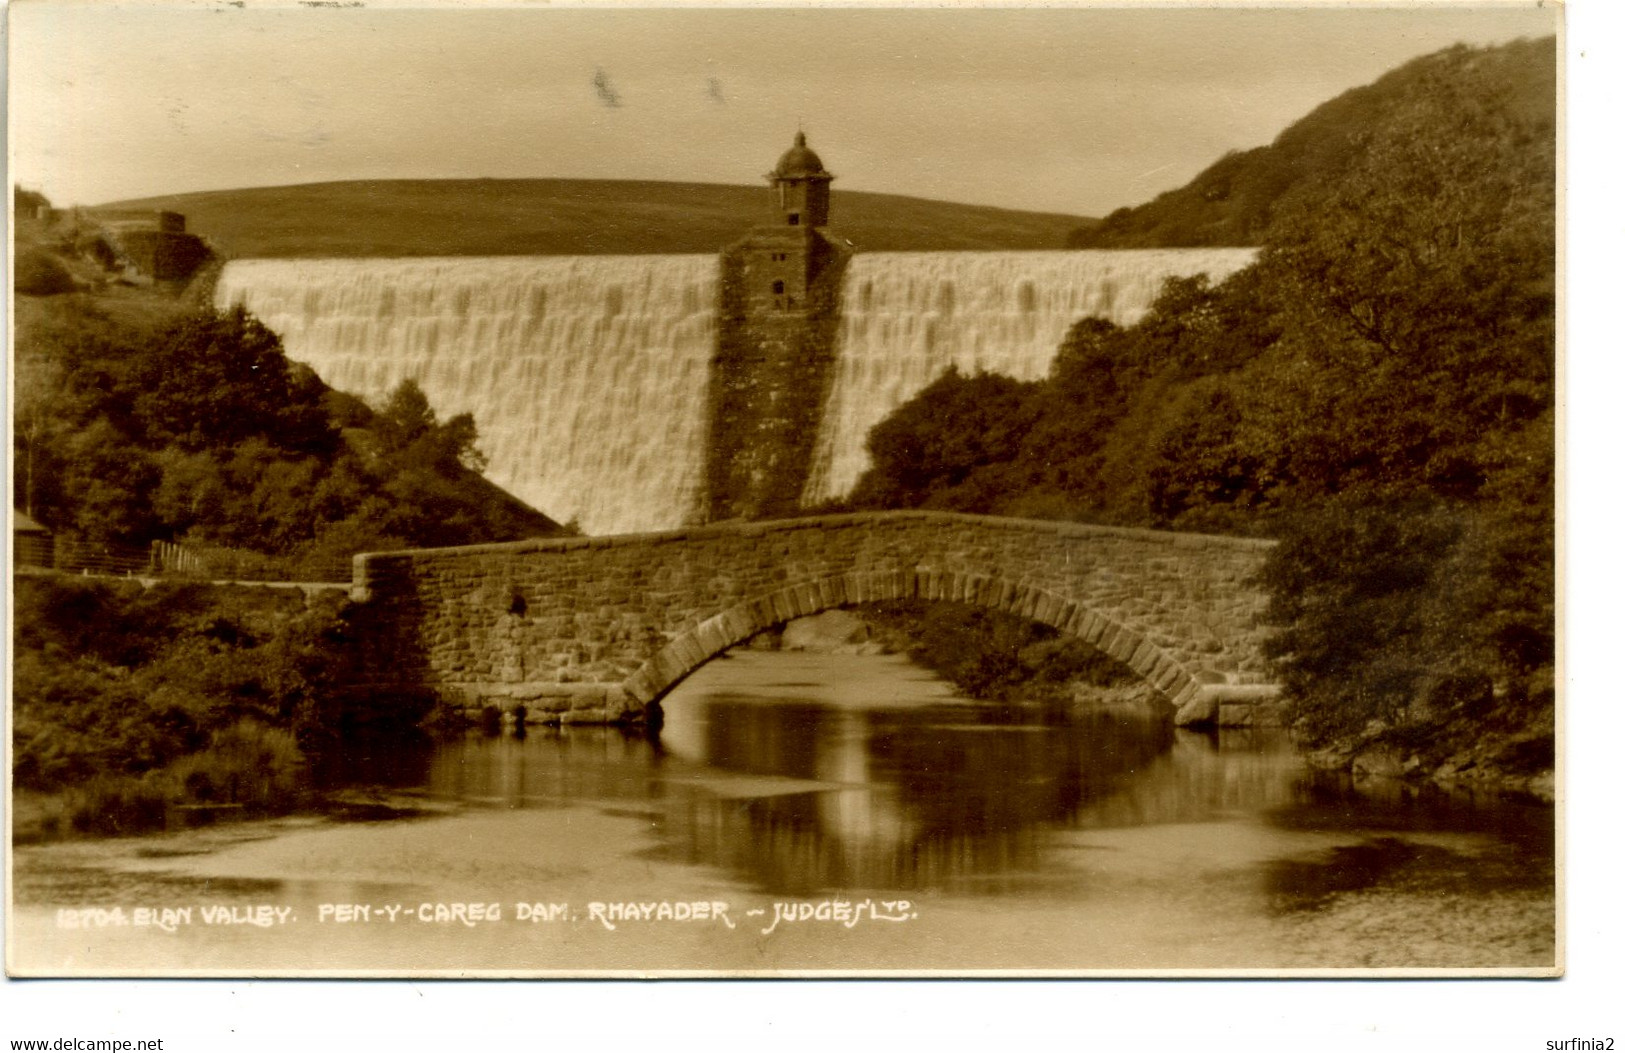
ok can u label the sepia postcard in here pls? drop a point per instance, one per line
(519, 491)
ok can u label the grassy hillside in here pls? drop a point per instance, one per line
(1238, 198)
(519, 217)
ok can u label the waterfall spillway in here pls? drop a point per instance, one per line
(587, 375)
(906, 317)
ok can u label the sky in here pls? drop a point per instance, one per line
(1076, 110)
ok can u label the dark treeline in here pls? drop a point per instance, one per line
(194, 426)
(164, 423)
(1377, 391)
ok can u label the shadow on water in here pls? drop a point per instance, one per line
(1395, 864)
(1493, 843)
(398, 761)
(1331, 800)
(1296, 885)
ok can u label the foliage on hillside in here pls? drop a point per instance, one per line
(1378, 391)
(1239, 199)
(193, 426)
(540, 217)
(47, 257)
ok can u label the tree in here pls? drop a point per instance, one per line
(1419, 289)
(405, 417)
(216, 379)
(35, 382)
(107, 484)
(924, 453)
(409, 433)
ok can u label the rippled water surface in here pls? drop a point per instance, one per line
(814, 812)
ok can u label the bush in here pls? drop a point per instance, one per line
(246, 766)
(41, 274)
(926, 451)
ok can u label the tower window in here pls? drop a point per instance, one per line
(795, 219)
(778, 288)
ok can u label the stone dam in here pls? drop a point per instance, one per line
(590, 378)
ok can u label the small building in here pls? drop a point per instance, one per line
(147, 244)
(29, 204)
(784, 257)
(31, 544)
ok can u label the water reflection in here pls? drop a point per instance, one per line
(1099, 840)
(899, 785)
(547, 765)
(394, 761)
(801, 774)
(908, 798)
(1322, 801)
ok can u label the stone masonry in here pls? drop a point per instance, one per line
(598, 629)
(778, 311)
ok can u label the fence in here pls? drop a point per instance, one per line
(90, 557)
(241, 565)
(170, 560)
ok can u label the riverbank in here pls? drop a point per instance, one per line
(143, 706)
(1519, 761)
(996, 657)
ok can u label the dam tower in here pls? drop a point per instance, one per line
(778, 314)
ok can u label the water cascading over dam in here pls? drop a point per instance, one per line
(906, 317)
(587, 376)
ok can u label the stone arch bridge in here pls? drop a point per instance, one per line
(597, 629)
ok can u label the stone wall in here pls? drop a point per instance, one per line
(163, 255)
(126, 219)
(772, 371)
(595, 629)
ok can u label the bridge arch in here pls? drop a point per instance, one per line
(673, 663)
(597, 629)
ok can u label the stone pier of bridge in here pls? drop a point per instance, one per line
(593, 630)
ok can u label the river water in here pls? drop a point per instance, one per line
(810, 813)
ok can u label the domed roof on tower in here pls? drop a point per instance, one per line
(799, 162)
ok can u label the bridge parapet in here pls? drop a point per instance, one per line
(592, 629)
